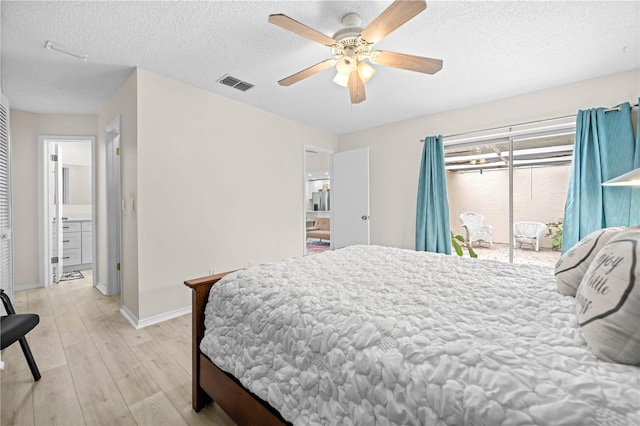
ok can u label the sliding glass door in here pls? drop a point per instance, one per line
(517, 180)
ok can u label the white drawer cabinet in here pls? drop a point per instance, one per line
(71, 257)
(77, 243)
(87, 246)
(68, 226)
(71, 240)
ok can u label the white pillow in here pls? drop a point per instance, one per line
(573, 264)
(608, 300)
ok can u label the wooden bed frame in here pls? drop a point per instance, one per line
(209, 383)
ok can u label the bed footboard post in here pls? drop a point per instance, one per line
(199, 397)
(200, 292)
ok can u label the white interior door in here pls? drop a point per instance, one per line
(55, 210)
(350, 204)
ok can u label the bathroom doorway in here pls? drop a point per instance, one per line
(67, 208)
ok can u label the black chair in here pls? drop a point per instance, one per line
(13, 327)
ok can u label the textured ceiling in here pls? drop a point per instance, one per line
(491, 50)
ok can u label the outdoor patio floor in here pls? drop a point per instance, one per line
(526, 254)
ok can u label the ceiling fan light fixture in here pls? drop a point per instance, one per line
(341, 79)
(352, 44)
(365, 71)
(345, 65)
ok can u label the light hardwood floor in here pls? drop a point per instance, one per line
(96, 368)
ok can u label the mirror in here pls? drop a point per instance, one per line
(76, 184)
(76, 172)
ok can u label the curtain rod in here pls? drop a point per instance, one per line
(508, 125)
(528, 122)
(618, 108)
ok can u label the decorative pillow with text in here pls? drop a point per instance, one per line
(608, 300)
(573, 264)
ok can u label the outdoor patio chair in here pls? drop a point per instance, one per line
(528, 233)
(476, 230)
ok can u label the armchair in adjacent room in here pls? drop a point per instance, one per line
(528, 233)
(476, 230)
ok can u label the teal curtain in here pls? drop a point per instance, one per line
(432, 214)
(635, 190)
(604, 148)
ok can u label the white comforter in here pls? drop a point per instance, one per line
(372, 335)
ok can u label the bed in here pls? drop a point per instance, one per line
(379, 335)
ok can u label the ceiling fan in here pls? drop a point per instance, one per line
(351, 45)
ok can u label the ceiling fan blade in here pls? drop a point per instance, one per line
(307, 72)
(356, 88)
(391, 18)
(406, 62)
(292, 25)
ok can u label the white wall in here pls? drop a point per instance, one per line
(199, 208)
(317, 162)
(25, 129)
(395, 148)
(77, 153)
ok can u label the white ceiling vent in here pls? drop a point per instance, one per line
(236, 83)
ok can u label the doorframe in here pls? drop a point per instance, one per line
(114, 212)
(44, 227)
(318, 149)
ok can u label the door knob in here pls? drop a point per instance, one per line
(364, 217)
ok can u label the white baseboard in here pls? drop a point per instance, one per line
(133, 320)
(27, 286)
(164, 317)
(154, 319)
(101, 287)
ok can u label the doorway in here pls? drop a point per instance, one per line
(67, 206)
(338, 217)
